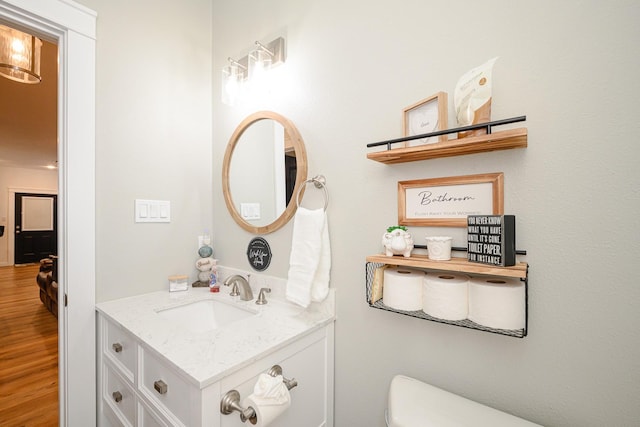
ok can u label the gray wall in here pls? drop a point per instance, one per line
(153, 139)
(352, 67)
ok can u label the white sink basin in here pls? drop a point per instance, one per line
(204, 315)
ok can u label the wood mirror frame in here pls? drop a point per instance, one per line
(295, 140)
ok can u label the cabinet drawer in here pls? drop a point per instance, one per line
(120, 347)
(119, 396)
(163, 386)
(148, 418)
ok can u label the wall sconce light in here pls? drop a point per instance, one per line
(19, 56)
(251, 67)
(233, 78)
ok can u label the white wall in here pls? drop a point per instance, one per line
(570, 67)
(153, 139)
(20, 178)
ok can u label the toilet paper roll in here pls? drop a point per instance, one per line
(446, 296)
(497, 302)
(265, 412)
(403, 289)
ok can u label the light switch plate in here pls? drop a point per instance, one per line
(152, 210)
(250, 211)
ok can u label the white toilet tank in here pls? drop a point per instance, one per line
(413, 403)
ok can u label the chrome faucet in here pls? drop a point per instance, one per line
(240, 287)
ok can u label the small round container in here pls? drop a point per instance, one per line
(439, 248)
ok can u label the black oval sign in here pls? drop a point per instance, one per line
(259, 254)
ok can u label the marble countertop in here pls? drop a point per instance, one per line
(205, 357)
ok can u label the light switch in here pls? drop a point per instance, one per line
(152, 210)
(250, 211)
(144, 210)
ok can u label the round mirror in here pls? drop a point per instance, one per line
(263, 168)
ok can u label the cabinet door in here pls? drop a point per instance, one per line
(310, 366)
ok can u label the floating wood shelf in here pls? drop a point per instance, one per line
(503, 140)
(461, 265)
(491, 141)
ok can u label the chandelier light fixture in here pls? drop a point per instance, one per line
(19, 56)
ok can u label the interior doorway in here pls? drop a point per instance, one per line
(73, 27)
(28, 297)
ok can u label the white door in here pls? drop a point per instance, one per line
(73, 27)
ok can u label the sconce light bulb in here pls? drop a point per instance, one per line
(232, 86)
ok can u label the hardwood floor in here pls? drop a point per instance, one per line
(28, 352)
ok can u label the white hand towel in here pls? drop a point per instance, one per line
(310, 260)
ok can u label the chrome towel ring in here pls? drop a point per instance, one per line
(320, 182)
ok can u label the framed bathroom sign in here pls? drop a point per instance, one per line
(425, 116)
(446, 202)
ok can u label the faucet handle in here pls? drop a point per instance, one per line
(261, 300)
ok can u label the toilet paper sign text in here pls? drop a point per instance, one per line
(491, 239)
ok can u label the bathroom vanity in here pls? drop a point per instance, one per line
(167, 359)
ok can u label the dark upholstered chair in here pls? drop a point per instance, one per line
(47, 280)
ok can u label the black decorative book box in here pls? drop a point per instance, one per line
(491, 239)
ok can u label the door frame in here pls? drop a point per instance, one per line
(73, 28)
(11, 220)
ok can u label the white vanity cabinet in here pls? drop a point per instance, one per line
(139, 387)
(310, 362)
